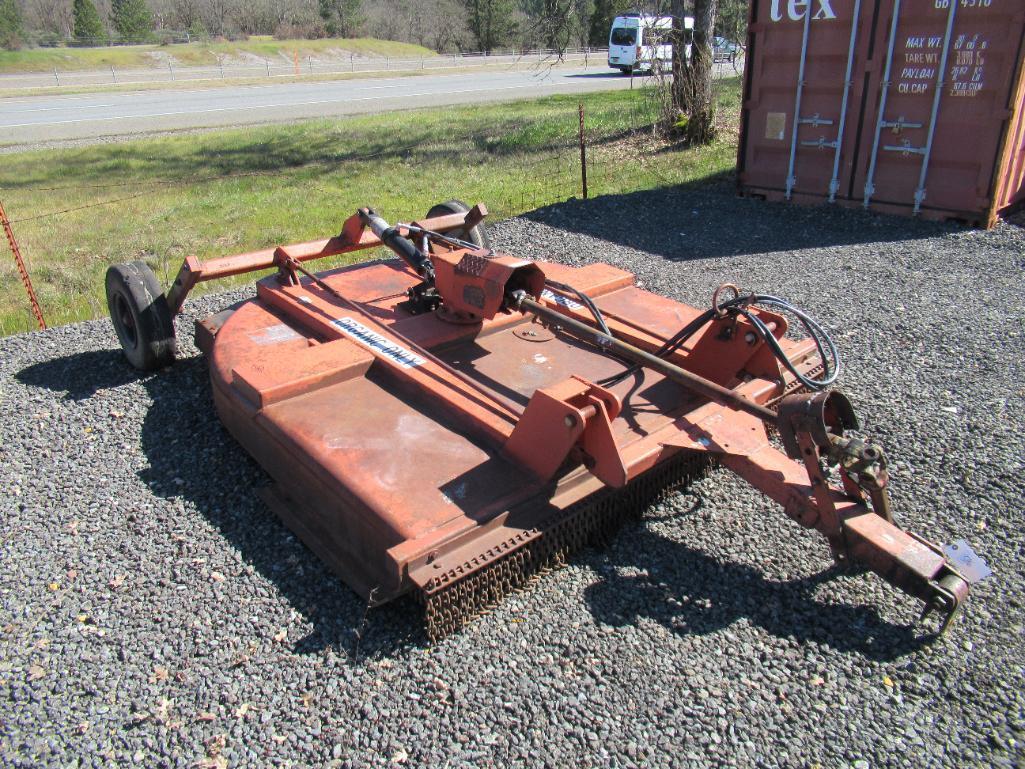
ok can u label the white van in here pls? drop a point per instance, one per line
(641, 43)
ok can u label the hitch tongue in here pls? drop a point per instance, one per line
(948, 599)
(967, 568)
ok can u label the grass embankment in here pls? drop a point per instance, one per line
(197, 54)
(224, 192)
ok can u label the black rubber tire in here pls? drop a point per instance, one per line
(476, 234)
(138, 309)
(628, 71)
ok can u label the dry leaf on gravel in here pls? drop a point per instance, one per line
(159, 674)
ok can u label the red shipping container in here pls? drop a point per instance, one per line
(903, 106)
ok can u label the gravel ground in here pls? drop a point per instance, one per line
(154, 612)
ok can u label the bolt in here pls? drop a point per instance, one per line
(570, 421)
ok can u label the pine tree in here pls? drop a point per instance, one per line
(88, 26)
(10, 25)
(131, 19)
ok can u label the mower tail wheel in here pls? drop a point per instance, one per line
(140, 315)
(476, 234)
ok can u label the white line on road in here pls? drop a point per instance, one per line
(260, 106)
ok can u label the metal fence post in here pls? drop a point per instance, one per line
(55, 77)
(22, 271)
(113, 75)
(170, 69)
(583, 153)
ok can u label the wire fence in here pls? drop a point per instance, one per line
(619, 147)
(168, 70)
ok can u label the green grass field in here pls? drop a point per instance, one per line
(223, 192)
(195, 54)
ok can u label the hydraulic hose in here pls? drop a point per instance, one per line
(402, 246)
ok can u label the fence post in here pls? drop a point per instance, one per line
(36, 310)
(170, 69)
(352, 63)
(220, 66)
(267, 64)
(583, 153)
(311, 63)
(113, 75)
(55, 77)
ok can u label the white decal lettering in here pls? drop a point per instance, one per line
(562, 301)
(796, 10)
(825, 11)
(393, 352)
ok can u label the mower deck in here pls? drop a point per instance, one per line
(385, 484)
(457, 420)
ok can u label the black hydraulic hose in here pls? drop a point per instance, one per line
(565, 288)
(823, 342)
(402, 246)
(739, 304)
(445, 238)
(521, 301)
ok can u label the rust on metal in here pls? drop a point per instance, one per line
(867, 104)
(37, 311)
(456, 421)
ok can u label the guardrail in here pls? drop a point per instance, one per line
(299, 67)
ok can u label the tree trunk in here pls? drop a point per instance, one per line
(692, 78)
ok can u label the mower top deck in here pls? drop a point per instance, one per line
(381, 473)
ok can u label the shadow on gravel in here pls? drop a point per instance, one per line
(192, 457)
(689, 592)
(705, 218)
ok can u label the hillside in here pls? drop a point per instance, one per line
(193, 54)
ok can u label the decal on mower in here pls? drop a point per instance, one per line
(560, 300)
(393, 352)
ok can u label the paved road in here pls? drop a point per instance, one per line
(31, 120)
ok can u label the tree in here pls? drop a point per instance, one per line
(491, 22)
(342, 17)
(552, 24)
(88, 27)
(10, 25)
(692, 97)
(731, 20)
(601, 20)
(131, 19)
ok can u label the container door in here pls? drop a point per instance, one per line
(802, 95)
(938, 113)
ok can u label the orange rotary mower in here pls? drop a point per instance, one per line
(453, 421)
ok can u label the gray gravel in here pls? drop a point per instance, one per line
(152, 611)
